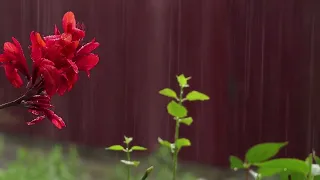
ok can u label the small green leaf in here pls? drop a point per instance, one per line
(183, 81)
(187, 121)
(127, 140)
(317, 159)
(169, 93)
(293, 165)
(309, 159)
(115, 148)
(263, 152)
(130, 163)
(196, 96)
(166, 144)
(235, 163)
(182, 142)
(138, 148)
(176, 110)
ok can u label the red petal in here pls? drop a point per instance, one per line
(36, 41)
(34, 112)
(55, 119)
(68, 22)
(73, 65)
(77, 34)
(51, 76)
(66, 37)
(86, 63)
(72, 79)
(10, 48)
(51, 38)
(40, 97)
(88, 48)
(22, 67)
(63, 86)
(68, 79)
(3, 58)
(39, 104)
(36, 120)
(13, 76)
(70, 48)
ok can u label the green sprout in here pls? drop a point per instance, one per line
(180, 114)
(127, 149)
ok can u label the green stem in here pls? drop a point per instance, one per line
(146, 174)
(176, 137)
(128, 166)
(310, 177)
(175, 155)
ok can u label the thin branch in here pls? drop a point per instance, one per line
(13, 103)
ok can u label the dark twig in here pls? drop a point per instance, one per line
(13, 103)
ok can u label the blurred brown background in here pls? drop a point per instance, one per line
(258, 60)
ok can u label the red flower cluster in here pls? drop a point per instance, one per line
(57, 60)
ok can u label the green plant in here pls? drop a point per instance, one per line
(261, 155)
(128, 162)
(37, 165)
(180, 114)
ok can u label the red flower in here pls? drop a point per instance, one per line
(13, 61)
(39, 105)
(64, 51)
(57, 60)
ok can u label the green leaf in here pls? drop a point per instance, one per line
(308, 161)
(284, 175)
(176, 110)
(263, 152)
(138, 148)
(115, 148)
(196, 96)
(169, 93)
(183, 81)
(127, 140)
(187, 121)
(294, 165)
(235, 163)
(265, 172)
(182, 142)
(297, 176)
(166, 144)
(130, 163)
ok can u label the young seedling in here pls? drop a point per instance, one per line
(128, 162)
(180, 114)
